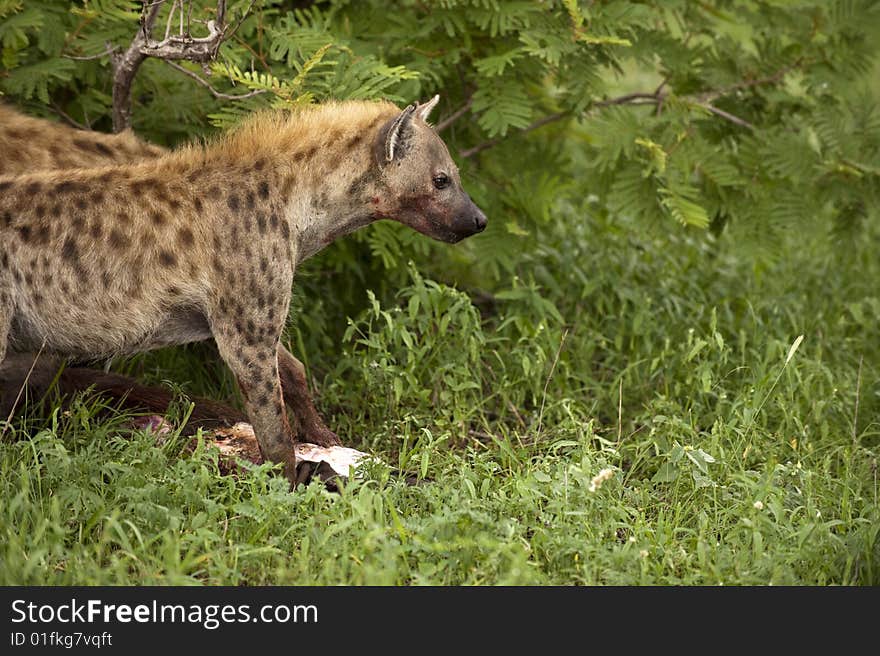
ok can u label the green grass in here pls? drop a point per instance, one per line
(666, 358)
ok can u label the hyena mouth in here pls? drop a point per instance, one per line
(444, 233)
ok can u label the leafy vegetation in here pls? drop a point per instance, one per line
(608, 386)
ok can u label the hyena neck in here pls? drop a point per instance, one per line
(329, 180)
(326, 211)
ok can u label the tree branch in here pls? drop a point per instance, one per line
(470, 152)
(67, 118)
(125, 67)
(726, 115)
(181, 46)
(207, 85)
(457, 114)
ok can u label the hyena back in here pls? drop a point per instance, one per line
(204, 242)
(29, 144)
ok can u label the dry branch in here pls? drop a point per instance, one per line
(180, 46)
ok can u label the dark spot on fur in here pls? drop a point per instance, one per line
(167, 258)
(197, 203)
(117, 239)
(83, 144)
(158, 218)
(33, 188)
(97, 197)
(40, 211)
(97, 228)
(261, 223)
(260, 164)
(233, 202)
(249, 200)
(263, 190)
(69, 250)
(185, 237)
(24, 233)
(101, 148)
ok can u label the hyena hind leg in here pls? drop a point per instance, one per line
(311, 427)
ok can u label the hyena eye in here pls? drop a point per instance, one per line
(441, 181)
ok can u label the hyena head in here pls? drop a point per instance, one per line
(421, 181)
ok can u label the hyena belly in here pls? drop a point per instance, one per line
(101, 327)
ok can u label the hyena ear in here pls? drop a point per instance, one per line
(422, 111)
(395, 138)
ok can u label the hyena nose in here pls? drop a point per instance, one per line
(480, 221)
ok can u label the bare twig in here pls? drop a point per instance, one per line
(67, 118)
(547, 382)
(21, 389)
(454, 116)
(727, 115)
(710, 96)
(109, 50)
(207, 85)
(470, 152)
(170, 18)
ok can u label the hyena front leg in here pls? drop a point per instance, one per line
(296, 393)
(247, 334)
(254, 362)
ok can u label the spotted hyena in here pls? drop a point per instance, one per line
(203, 242)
